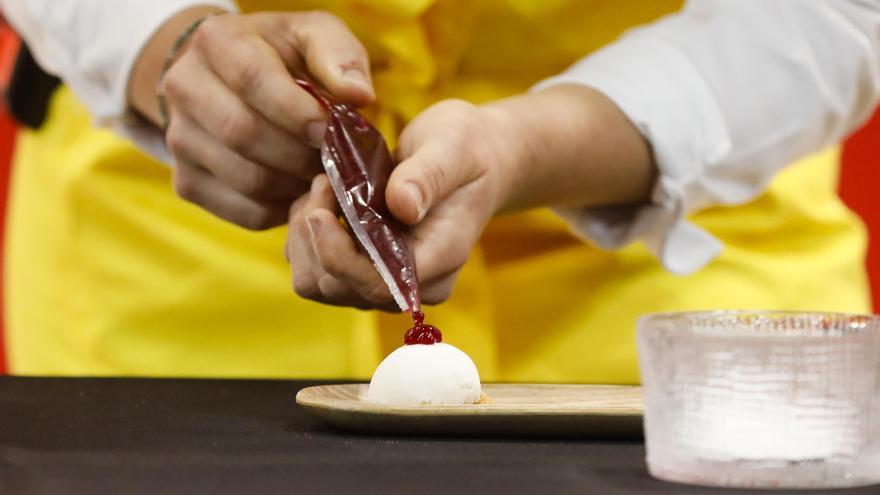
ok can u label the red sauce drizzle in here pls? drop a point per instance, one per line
(421, 333)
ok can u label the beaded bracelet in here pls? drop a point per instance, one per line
(169, 60)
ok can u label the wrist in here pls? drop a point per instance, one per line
(148, 68)
(508, 153)
(570, 145)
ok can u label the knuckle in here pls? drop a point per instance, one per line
(208, 31)
(453, 259)
(248, 72)
(333, 290)
(377, 294)
(173, 84)
(175, 139)
(305, 287)
(457, 112)
(256, 181)
(331, 264)
(466, 118)
(305, 165)
(437, 296)
(458, 256)
(457, 106)
(324, 17)
(204, 35)
(259, 219)
(361, 58)
(219, 30)
(238, 131)
(296, 216)
(435, 178)
(185, 184)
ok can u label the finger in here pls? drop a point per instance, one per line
(197, 186)
(188, 142)
(439, 257)
(254, 71)
(331, 52)
(422, 180)
(336, 250)
(339, 293)
(322, 195)
(438, 291)
(310, 280)
(339, 257)
(305, 267)
(300, 254)
(192, 90)
(295, 213)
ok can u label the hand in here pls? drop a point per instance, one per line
(446, 188)
(459, 165)
(244, 136)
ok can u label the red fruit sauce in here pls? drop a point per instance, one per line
(421, 333)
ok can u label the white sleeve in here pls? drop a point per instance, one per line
(728, 92)
(92, 46)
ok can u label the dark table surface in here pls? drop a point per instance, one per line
(156, 436)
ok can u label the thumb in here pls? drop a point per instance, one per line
(419, 182)
(332, 54)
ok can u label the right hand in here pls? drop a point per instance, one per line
(244, 135)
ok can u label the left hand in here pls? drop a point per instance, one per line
(446, 188)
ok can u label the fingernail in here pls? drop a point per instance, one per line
(416, 195)
(356, 77)
(314, 226)
(315, 132)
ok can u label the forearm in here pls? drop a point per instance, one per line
(569, 146)
(148, 67)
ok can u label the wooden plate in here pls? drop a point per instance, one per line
(513, 410)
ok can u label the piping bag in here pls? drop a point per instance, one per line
(357, 161)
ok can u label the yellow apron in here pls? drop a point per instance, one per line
(109, 273)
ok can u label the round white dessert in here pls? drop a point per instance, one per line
(420, 374)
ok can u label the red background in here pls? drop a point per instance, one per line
(7, 133)
(859, 188)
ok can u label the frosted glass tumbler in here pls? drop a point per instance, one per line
(762, 399)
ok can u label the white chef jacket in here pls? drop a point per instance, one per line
(727, 92)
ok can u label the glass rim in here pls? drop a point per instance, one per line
(755, 312)
(763, 322)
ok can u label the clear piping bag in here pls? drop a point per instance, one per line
(358, 164)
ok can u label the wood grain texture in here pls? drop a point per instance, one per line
(514, 411)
